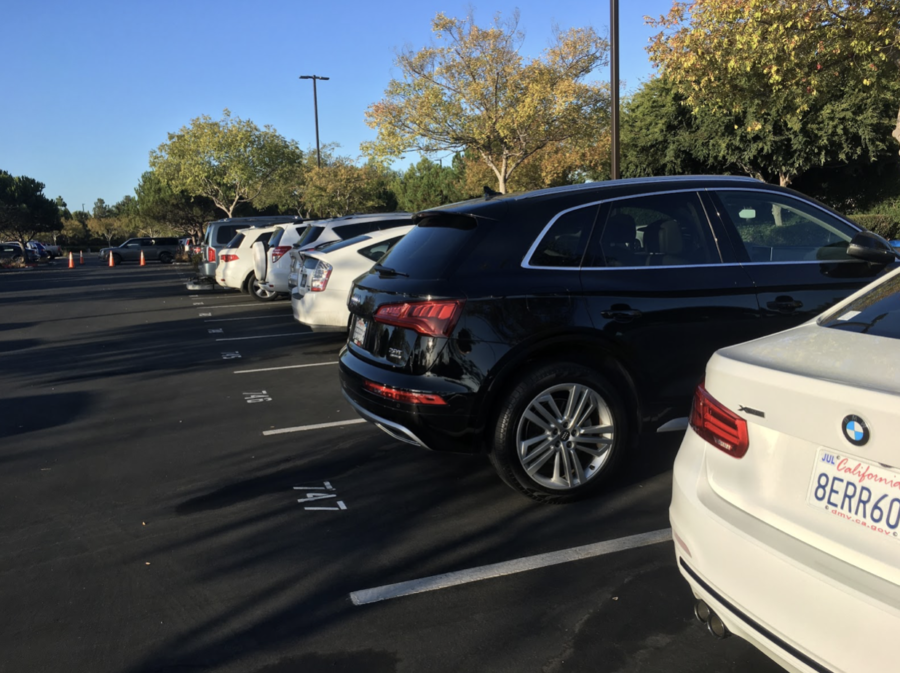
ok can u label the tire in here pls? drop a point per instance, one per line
(567, 457)
(117, 258)
(259, 293)
(165, 258)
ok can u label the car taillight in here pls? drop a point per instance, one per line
(431, 318)
(320, 277)
(408, 396)
(718, 425)
(279, 251)
(210, 254)
(228, 258)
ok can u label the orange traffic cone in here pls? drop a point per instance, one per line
(71, 260)
(112, 260)
(143, 263)
(81, 257)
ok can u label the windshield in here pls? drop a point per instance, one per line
(310, 235)
(876, 312)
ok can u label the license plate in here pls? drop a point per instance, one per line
(856, 491)
(359, 332)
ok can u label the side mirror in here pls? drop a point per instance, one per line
(872, 248)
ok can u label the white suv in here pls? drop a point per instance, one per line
(235, 268)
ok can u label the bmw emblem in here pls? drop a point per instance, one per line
(855, 430)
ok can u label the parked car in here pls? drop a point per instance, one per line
(235, 268)
(271, 263)
(13, 250)
(53, 251)
(786, 498)
(550, 328)
(321, 279)
(154, 249)
(219, 234)
(40, 252)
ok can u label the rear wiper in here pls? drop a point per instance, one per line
(385, 271)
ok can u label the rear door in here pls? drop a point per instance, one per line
(261, 253)
(664, 291)
(794, 251)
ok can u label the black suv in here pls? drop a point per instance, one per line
(550, 328)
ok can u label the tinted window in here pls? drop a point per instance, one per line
(276, 237)
(310, 235)
(236, 241)
(778, 228)
(378, 250)
(876, 312)
(225, 233)
(346, 231)
(655, 230)
(338, 245)
(427, 250)
(265, 237)
(565, 241)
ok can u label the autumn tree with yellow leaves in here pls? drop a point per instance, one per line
(788, 84)
(471, 91)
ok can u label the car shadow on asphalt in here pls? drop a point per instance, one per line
(20, 415)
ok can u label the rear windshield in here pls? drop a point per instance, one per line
(236, 241)
(338, 245)
(429, 249)
(310, 235)
(276, 237)
(225, 233)
(876, 312)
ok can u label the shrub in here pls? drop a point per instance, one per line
(879, 223)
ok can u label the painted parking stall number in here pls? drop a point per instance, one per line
(324, 497)
(216, 330)
(231, 355)
(261, 396)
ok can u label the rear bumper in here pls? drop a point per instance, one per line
(207, 269)
(803, 608)
(437, 427)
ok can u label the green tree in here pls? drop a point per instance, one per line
(427, 184)
(471, 90)
(229, 161)
(794, 84)
(24, 209)
(343, 188)
(159, 203)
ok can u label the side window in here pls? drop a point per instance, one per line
(564, 243)
(352, 230)
(378, 250)
(655, 230)
(264, 237)
(147, 242)
(778, 228)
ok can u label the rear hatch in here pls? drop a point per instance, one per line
(405, 309)
(822, 408)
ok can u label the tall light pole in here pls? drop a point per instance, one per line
(316, 108)
(614, 85)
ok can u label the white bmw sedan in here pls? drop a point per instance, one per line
(786, 497)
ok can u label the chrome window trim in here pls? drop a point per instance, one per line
(540, 237)
(528, 255)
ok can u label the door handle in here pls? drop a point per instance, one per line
(784, 304)
(621, 314)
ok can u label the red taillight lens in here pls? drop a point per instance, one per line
(718, 425)
(320, 277)
(407, 396)
(279, 251)
(228, 258)
(210, 254)
(431, 318)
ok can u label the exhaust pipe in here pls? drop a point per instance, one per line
(714, 623)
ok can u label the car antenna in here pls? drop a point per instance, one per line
(489, 193)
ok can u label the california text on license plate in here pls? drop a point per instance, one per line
(359, 332)
(862, 493)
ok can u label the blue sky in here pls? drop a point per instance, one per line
(89, 88)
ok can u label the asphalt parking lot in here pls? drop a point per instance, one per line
(184, 488)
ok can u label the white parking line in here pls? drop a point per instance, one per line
(256, 317)
(317, 426)
(245, 305)
(508, 567)
(275, 369)
(268, 336)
